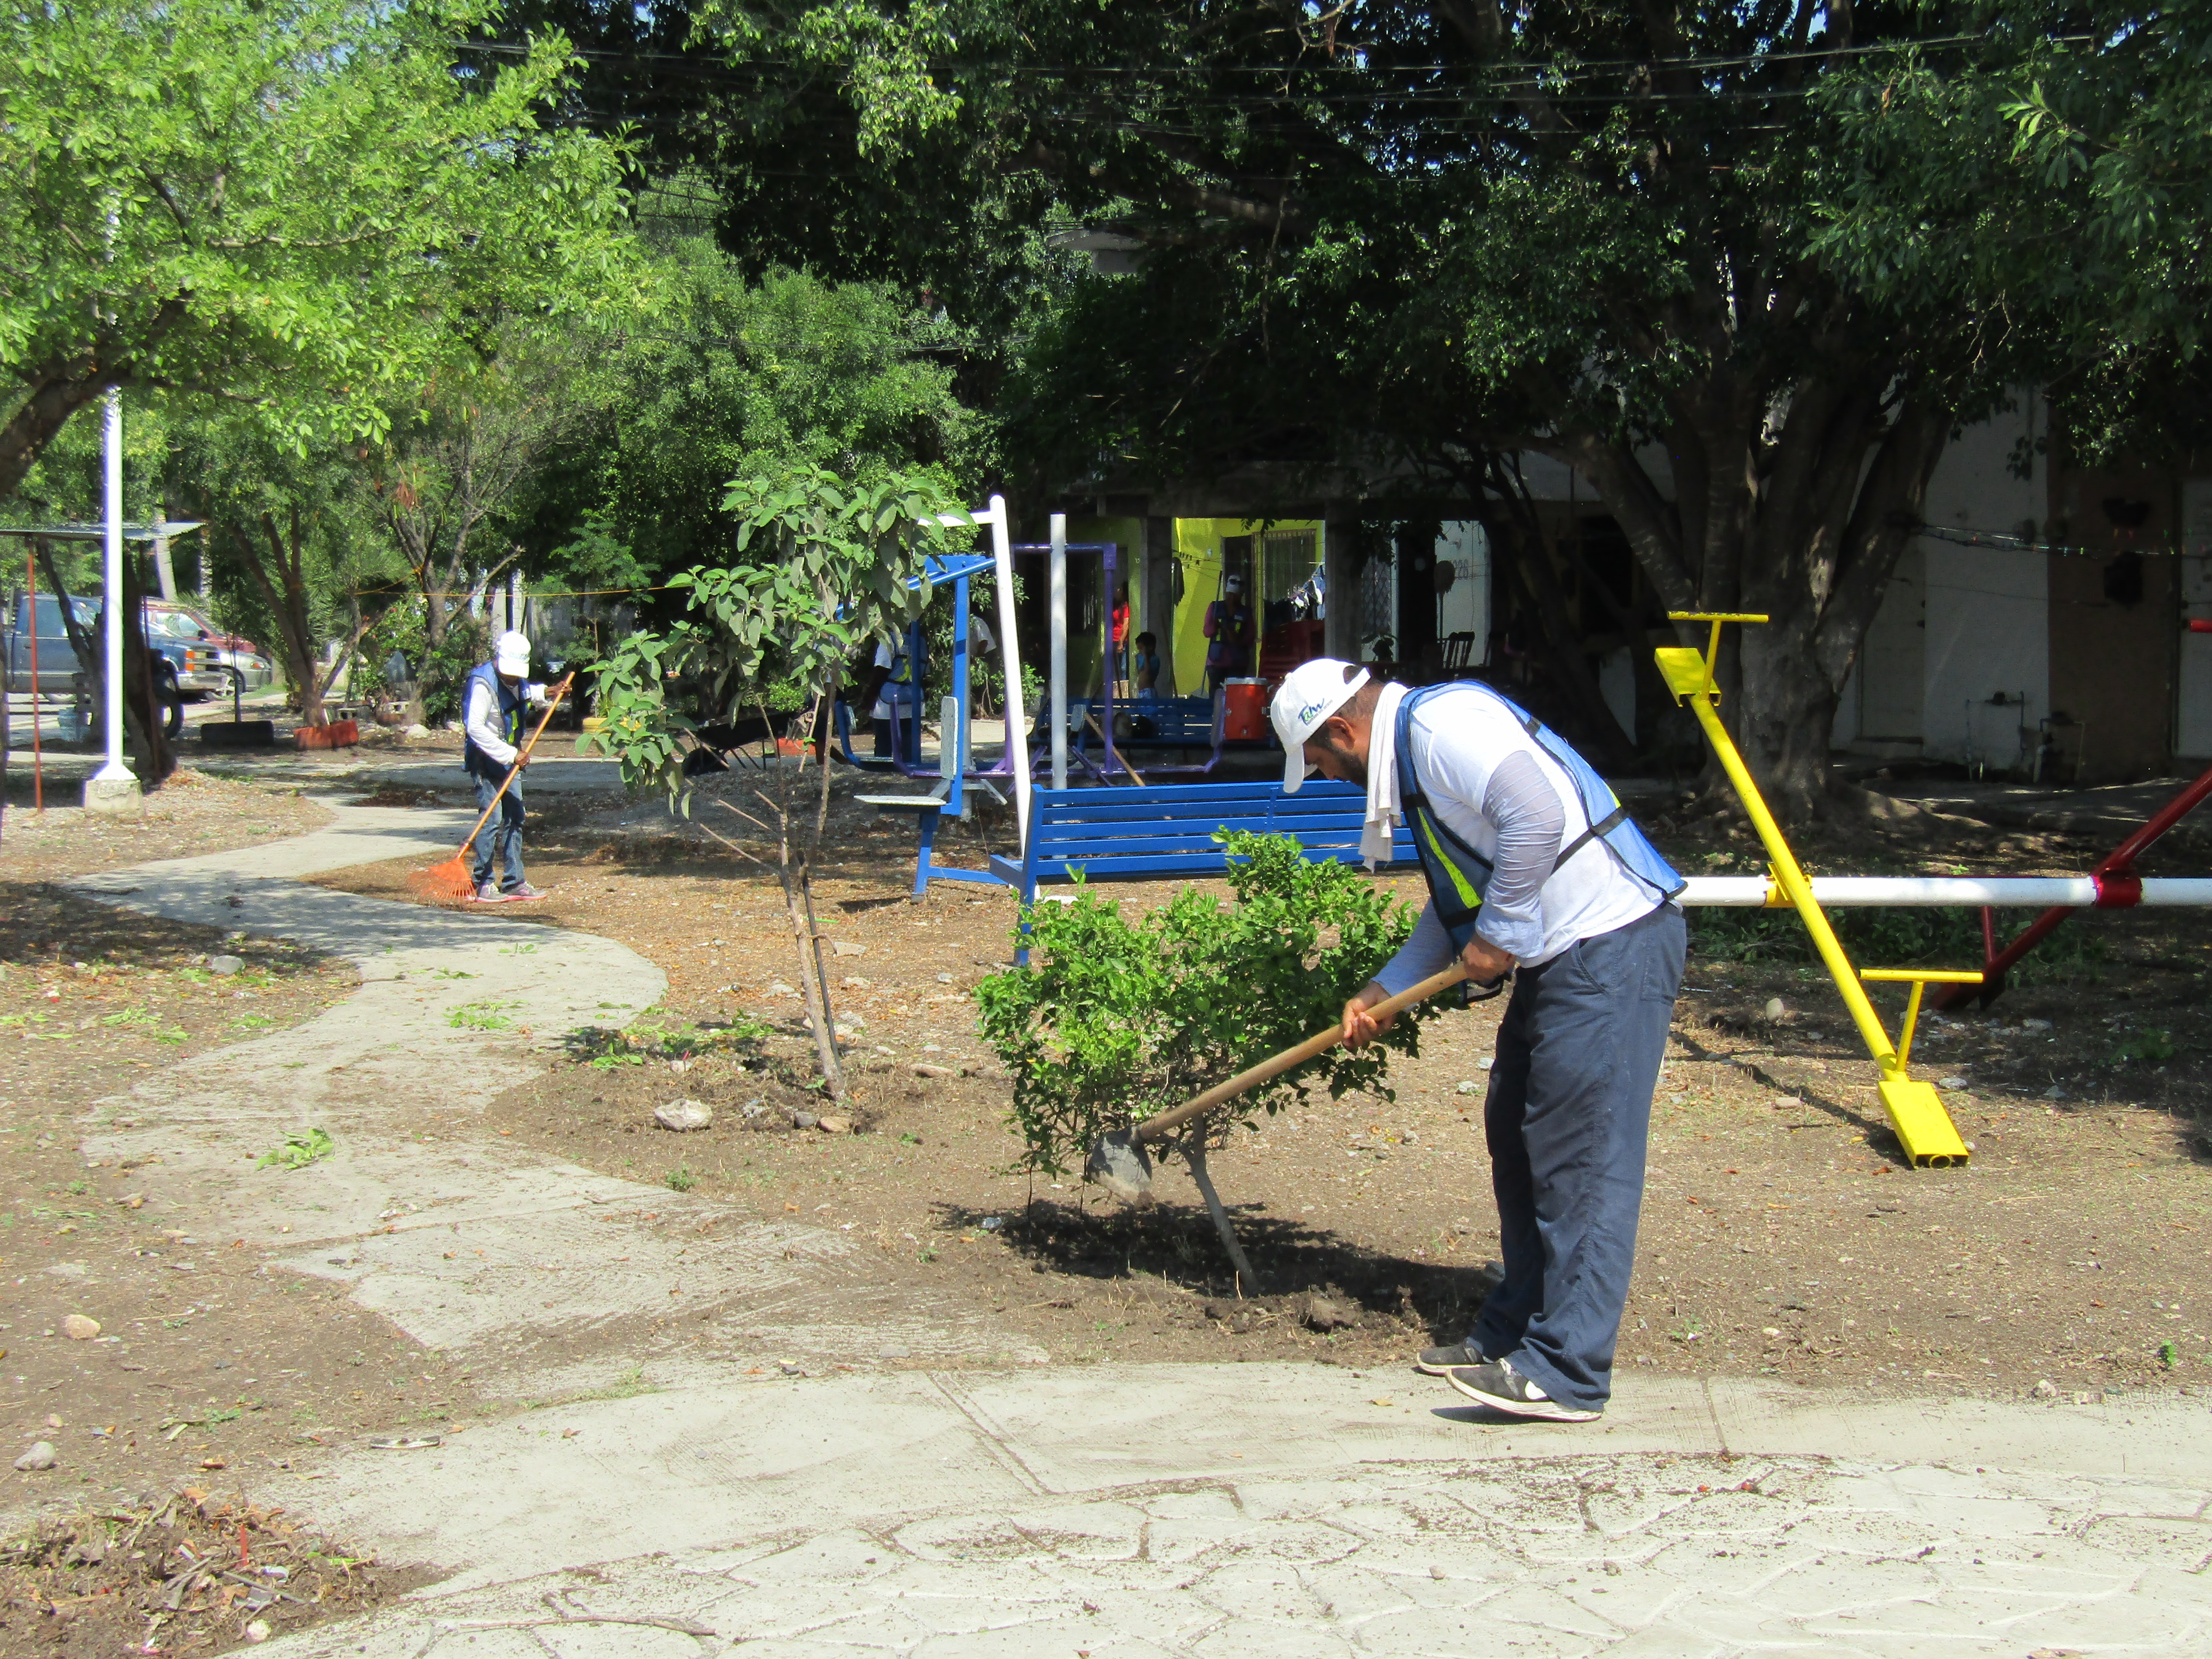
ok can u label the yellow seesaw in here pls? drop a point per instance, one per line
(1916, 1111)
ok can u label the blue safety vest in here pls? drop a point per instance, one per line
(1459, 876)
(509, 701)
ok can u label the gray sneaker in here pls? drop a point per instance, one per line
(1502, 1388)
(525, 891)
(1438, 1361)
(488, 893)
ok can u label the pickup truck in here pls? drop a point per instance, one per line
(175, 661)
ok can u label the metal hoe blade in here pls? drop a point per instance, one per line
(1118, 1163)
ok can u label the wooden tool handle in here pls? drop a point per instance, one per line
(1153, 1129)
(521, 755)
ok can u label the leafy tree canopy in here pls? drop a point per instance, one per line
(726, 376)
(225, 196)
(1745, 268)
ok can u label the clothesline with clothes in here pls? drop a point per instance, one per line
(2003, 542)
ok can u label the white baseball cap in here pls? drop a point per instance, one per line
(1309, 694)
(511, 656)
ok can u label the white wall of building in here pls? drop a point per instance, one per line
(1984, 613)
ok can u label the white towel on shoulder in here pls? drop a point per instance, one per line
(1383, 807)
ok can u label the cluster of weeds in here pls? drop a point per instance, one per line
(486, 1014)
(297, 1150)
(653, 1036)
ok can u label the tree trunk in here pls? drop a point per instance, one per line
(434, 618)
(1803, 526)
(1194, 1152)
(1785, 710)
(813, 986)
(287, 597)
(38, 419)
(156, 759)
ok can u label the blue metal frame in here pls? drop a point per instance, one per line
(1167, 830)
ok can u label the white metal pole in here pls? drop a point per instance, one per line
(112, 448)
(1010, 657)
(1057, 687)
(2024, 892)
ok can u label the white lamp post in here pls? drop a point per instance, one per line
(113, 789)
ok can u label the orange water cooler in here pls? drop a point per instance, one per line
(1244, 719)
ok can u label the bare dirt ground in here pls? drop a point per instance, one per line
(137, 1578)
(197, 1365)
(1783, 1234)
(192, 812)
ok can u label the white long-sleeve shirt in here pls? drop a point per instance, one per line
(1494, 788)
(480, 720)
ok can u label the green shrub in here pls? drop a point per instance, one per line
(1115, 1019)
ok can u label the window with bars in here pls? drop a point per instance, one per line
(1291, 558)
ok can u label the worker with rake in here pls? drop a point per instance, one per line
(1535, 870)
(492, 704)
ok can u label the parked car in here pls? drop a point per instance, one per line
(235, 656)
(58, 675)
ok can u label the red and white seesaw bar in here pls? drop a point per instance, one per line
(2107, 892)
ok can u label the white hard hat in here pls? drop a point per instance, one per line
(511, 655)
(1309, 694)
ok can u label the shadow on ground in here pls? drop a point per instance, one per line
(1307, 1274)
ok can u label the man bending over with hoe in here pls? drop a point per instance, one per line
(491, 715)
(1534, 870)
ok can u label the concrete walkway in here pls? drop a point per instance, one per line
(1019, 1510)
(549, 1277)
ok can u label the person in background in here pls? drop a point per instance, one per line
(492, 704)
(886, 681)
(1228, 628)
(1121, 640)
(1536, 870)
(1147, 668)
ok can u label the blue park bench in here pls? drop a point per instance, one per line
(1167, 830)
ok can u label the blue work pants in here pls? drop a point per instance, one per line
(501, 838)
(1568, 1115)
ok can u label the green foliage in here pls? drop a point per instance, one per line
(299, 197)
(443, 669)
(652, 1036)
(2146, 1048)
(680, 1179)
(1113, 1019)
(485, 1014)
(724, 374)
(299, 1148)
(822, 570)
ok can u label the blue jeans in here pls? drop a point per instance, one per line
(501, 838)
(1568, 1115)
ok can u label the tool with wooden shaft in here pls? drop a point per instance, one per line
(451, 883)
(1117, 1161)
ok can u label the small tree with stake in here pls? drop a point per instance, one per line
(1113, 1020)
(822, 568)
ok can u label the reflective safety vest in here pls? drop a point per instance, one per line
(1459, 876)
(507, 703)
